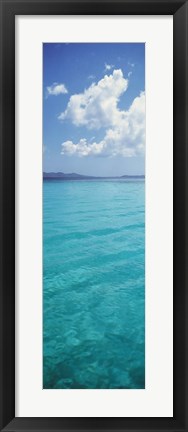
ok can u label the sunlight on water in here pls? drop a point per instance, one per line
(94, 284)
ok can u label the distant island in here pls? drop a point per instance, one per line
(75, 176)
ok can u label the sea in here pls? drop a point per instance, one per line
(94, 284)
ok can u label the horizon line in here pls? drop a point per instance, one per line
(92, 175)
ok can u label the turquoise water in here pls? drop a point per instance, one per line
(94, 284)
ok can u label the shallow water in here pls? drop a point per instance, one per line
(94, 284)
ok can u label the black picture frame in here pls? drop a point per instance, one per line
(8, 11)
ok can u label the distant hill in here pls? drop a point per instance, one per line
(75, 176)
(133, 176)
(63, 176)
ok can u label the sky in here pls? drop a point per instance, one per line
(94, 108)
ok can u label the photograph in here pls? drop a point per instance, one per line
(94, 238)
(94, 146)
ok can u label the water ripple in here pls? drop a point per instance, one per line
(93, 285)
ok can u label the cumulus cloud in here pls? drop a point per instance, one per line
(97, 108)
(127, 138)
(56, 89)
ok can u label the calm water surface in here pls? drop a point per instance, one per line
(93, 284)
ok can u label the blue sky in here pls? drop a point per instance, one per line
(94, 108)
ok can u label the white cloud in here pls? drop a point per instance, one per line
(96, 107)
(125, 138)
(108, 67)
(129, 74)
(56, 89)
